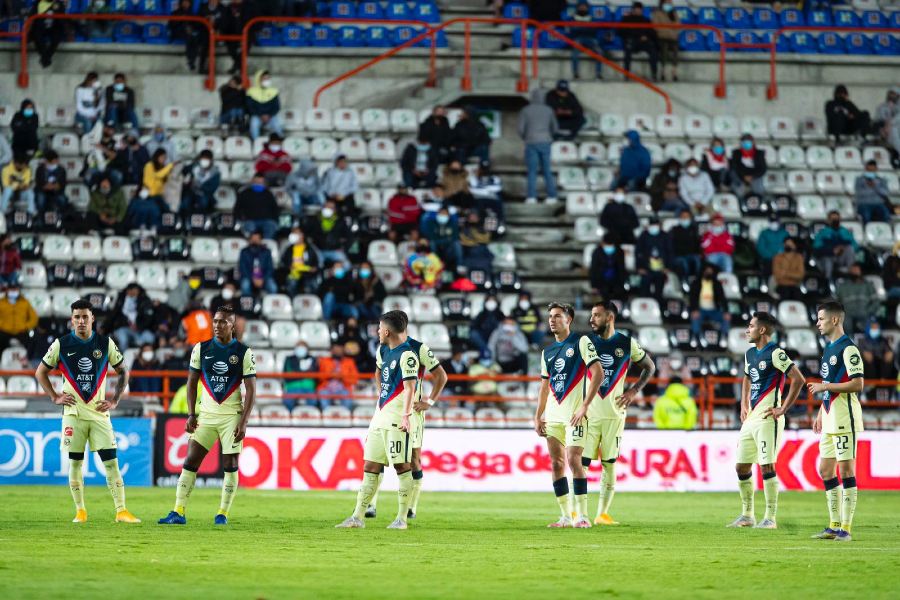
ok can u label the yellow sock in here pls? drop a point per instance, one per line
(564, 505)
(745, 486)
(403, 494)
(607, 487)
(374, 502)
(183, 489)
(416, 490)
(848, 505)
(115, 484)
(229, 488)
(76, 482)
(770, 489)
(367, 490)
(833, 495)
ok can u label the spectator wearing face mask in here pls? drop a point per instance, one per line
(666, 176)
(340, 186)
(529, 319)
(607, 271)
(470, 137)
(160, 139)
(696, 187)
(107, 207)
(748, 168)
(480, 370)
(50, 184)
(788, 270)
(509, 346)
(120, 104)
(834, 246)
(273, 162)
(131, 319)
(201, 181)
(770, 242)
(17, 316)
(653, 258)
(717, 245)
(256, 268)
(587, 37)
(340, 294)
(88, 103)
(455, 182)
(567, 109)
(24, 126)
(373, 292)
(423, 268)
(257, 209)
(300, 391)
(877, 354)
(891, 273)
(485, 322)
(403, 213)
(301, 263)
(842, 116)
(419, 164)
(860, 301)
(637, 40)
(233, 103)
(707, 302)
(537, 126)
(330, 234)
(229, 296)
(634, 164)
(131, 160)
(715, 163)
(145, 361)
(156, 174)
(619, 218)
(442, 231)
(263, 106)
(436, 131)
(873, 200)
(341, 381)
(685, 246)
(10, 261)
(18, 186)
(304, 185)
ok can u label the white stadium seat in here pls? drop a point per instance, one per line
(57, 248)
(307, 307)
(336, 416)
(87, 248)
(791, 156)
(612, 125)
(844, 205)
(65, 144)
(436, 336)
(306, 416)
(669, 126)
(563, 152)
(801, 182)
(318, 119)
(404, 120)
(368, 201)
(382, 252)
(804, 341)
(879, 235)
(425, 309)
(375, 120)
(184, 146)
(276, 307)
(382, 149)
(176, 117)
(315, 334)
(726, 127)
(645, 311)
(60, 116)
(812, 129)
(206, 251)
(727, 205)
(151, 276)
(644, 124)
(698, 127)
(62, 299)
(391, 277)
(829, 182)
(654, 339)
(256, 333)
(120, 275)
(282, 334)
(810, 207)
(203, 118)
(848, 158)
(346, 119)
(504, 255)
(226, 198)
(783, 128)
(587, 230)
(231, 249)
(33, 275)
(238, 147)
(40, 300)
(600, 178)
(490, 418)
(174, 273)
(78, 195)
(572, 178)
(819, 157)
(396, 302)
(459, 417)
(592, 152)
(265, 361)
(323, 149)
(737, 340)
(792, 313)
(355, 148)
(213, 143)
(679, 151)
(880, 155)
(730, 285)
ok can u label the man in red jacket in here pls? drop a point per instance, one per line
(403, 211)
(10, 261)
(273, 162)
(718, 245)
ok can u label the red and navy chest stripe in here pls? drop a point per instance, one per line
(614, 355)
(390, 377)
(565, 367)
(221, 368)
(84, 363)
(832, 369)
(764, 374)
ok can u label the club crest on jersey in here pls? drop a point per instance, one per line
(559, 365)
(591, 347)
(85, 364)
(619, 353)
(762, 365)
(754, 375)
(570, 352)
(824, 370)
(606, 360)
(219, 367)
(854, 360)
(97, 354)
(782, 356)
(832, 361)
(232, 360)
(411, 362)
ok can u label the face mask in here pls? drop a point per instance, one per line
(684, 222)
(442, 219)
(327, 213)
(708, 275)
(747, 145)
(774, 226)
(266, 83)
(693, 170)
(205, 163)
(365, 273)
(159, 136)
(275, 147)
(609, 250)
(13, 296)
(524, 304)
(870, 174)
(423, 147)
(672, 172)
(509, 328)
(718, 150)
(718, 229)
(28, 112)
(144, 194)
(620, 198)
(835, 224)
(667, 7)
(301, 352)
(490, 305)
(227, 294)
(258, 187)
(653, 229)
(486, 362)
(339, 273)
(874, 333)
(789, 249)
(118, 86)
(146, 356)
(294, 238)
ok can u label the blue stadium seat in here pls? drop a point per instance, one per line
(600, 13)
(831, 43)
(783, 44)
(885, 44)
(10, 26)
(895, 20)
(398, 9)
(545, 40)
(350, 36)
(858, 43)
(765, 18)
(322, 37)
(74, 6)
(126, 32)
(873, 18)
(401, 35)
(323, 8)
(710, 16)
(744, 37)
(737, 18)
(295, 36)
(156, 33)
(150, 7)
(515, 10)
(441, 40)
(427, 11)
(370, 10)
(802, 42)
(517, 37)
(378, 37)
(343, 10)
(119, 6)
(845, 18)
(791, 17)
(685, 15)
(692, 41)
(268, 36)
(819, 18)
(712, 41)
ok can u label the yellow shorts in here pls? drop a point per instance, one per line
(567, 435)
(77, 432)
(759, 441)
(221, 428)
(603, 439)
(841, 446)
(417, 422)
(388, 446)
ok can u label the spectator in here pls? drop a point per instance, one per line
(107, 207)
(47, 33)
(567, 110)
(872, 196)
(455, 182)
(373, 292)
(255, 266)
(194, 36)
(770, 242)
(843, 117)
(470, 137)
(667, 38)
(487, 191)
(834, 246)
(340, 294)
(423, 268)
(717, 245)
(18, 186)
(273, 162)
(403, 213)
(715, 163)
(145, 361)
(435, 131)
(233, 102)
(675, 409)
(529, 319)
(891, 273)
(300, 391)
(886, 112)
(24, 126)
(480, 371)
(330, 233)
(671, 200)
(748, 168)
(474, 239)
(156, 174)
(695, 187)
(788, 270)
(131, 319)
(227, 297)
(587, 37)
(301, 262)
(877, 354)
(457, 365)
(343, 376)
(707, 302)
(685, 245)
(619, 218)
(256, 208)
(161, 139)
(39, 342)
(537, 127)
(197, 324)
(88, 103)
(546, 10)
(636, 40)
(50, 184)
(263, 106)
(442, 231)
(201, 181)
(10, 261)
(120, 104)
(485, 322)
(607, 270)
(235, 17)
(668, 174)
(510, 347)
(143, 212)
(6, 154)
(859, 299)
(634, 164)
(129, 161)
(17, 316)
(653, 258)
(340, 186)
(304, 185)
(419, 164)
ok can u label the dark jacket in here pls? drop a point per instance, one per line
(620, 220)
(837, 109)
(568, 103)
(487, 321)
(232, 98)
(637, 35)
(759, 164)
(685, 240)
(634, 159)
(255, 206)
(469, 133)
(546, 10)
(24, 131)
(718, 295)
(435, 232)
(255, 257)
(436, 131)
(607, 270)
(337, 238)
(653, 246)
(346, 290)
(145, 312)
(133, 160)
(47, 174)
(121, 100)
(408, 159)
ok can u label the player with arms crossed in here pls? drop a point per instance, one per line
(562, 419)
(83, 357)
(221, 365)
(427, 362)
(388, 441)
(839, 420)
(606, 416)
(762, 416)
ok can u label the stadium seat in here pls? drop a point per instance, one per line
(256, 333)
(307, 416)
(404, 120)
(354, 148)
(151, 276)
(880, 155)
(293, 119)
(324, 149)
(879, 235)
(62, 299)
(368, 201)
(365, 174)
(804, 341)
(669, 126)
(87, 248)
(57, 248)
(643, 124)
(592, 152)
(33, 275)
(791, 156)
(437, 336)
(315, 334)
(612, 125)
(831, 43)
(391, 277)
(515, 10)
(730, 285)
(698, 127)
(645, 311)
(458, 417)
(322, 36)
(572, 178)
(755, 126)
(844, 205)
(206, 251)
(680, 152)
(277, 307)
(580, 204)
(727, 204)
(819, 157)
(829, 182)
(726, 127)
(563, 152)
(307, 307)
(848, 157)
(336, 416)
(802, 42)
(504, 255)
(238, 148)
(587, 230)
(874, 19)
(600, 178)
(885, 44)
(397, 303)
(490, 418)
(793, 313)
(382, 149)
(424, 309)
(801, 182)
(65, 144)
(120, 275)
(654, 339)
(783, 128)
(765, 18)
(375, 120)
(282, 333)
(318, 119)
(692, 41)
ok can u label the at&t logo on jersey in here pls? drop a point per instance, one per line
(219, 367)
(85, 379)
(385, 373)
(823, 372)
(85, 364)
(754, 375)
(559, 378)
(219, 379)
(606, 361)
(559, 365)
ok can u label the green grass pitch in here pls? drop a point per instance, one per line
(284, 545)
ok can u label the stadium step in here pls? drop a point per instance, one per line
(536, 236)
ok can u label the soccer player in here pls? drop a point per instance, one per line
(616, 351)
(762, 416)
(388, 441)
(83, 357)
(221, 364)
(562, 419)
(839, 419)
(427, 362)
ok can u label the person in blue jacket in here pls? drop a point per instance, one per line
(634, 164)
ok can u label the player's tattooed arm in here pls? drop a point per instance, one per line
(648, 369)
(121, 383)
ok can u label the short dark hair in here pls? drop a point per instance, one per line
(225, 309)
(159, 152)
(396, 320)
(608, 306)
(831, 306)
(51, 155)
(872, 163)
(766, 320)
(82, 304)
(566, 308)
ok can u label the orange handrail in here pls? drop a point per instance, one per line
(209, 84)
(772, 89)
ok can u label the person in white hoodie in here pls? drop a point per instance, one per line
(88, 103)
(696, 187)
